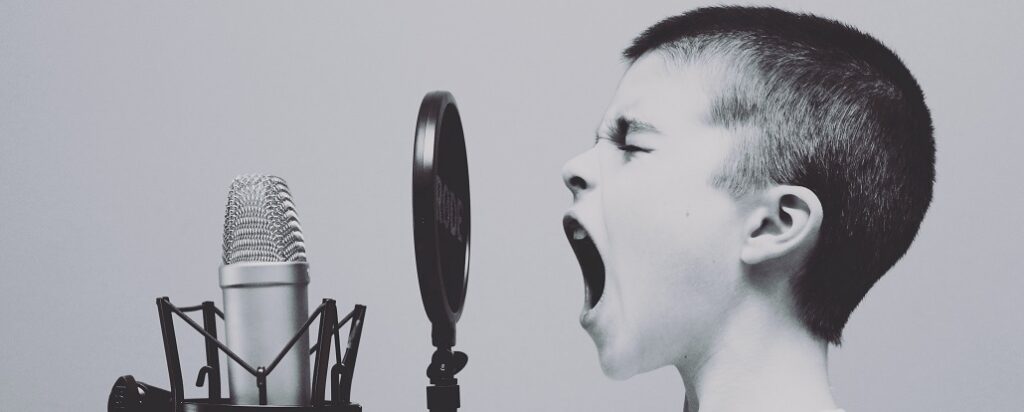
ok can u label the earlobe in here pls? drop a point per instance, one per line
(784, 221)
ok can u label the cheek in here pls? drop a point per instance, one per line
(659, 217)
(672, 242)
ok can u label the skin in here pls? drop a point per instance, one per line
(695, 278)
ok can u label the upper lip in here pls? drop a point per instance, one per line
(589, 257)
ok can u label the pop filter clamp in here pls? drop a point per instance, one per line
(441, 226)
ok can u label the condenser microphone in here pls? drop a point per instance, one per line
(264, 278)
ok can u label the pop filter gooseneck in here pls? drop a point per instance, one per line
(441, 228)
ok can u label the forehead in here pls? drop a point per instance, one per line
(658, 90)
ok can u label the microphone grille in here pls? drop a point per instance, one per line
(260, 224)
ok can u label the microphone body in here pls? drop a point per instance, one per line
(264, 277)
(265, 305)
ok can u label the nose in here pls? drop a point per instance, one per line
(578, 174)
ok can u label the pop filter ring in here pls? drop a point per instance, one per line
(441, 231)
(441, 214)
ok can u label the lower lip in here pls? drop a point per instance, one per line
(588, 317)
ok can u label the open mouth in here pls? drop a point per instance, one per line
(589, 258)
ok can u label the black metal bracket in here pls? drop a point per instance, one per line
(210, 374)
(443, 392)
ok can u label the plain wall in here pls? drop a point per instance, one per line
(122, 124)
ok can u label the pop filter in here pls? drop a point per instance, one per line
(440, 209)
(440, 204)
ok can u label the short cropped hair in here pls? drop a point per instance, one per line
(816, 103)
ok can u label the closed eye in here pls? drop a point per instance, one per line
(623, 126)
(628, 148)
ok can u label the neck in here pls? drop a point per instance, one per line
(764, 360)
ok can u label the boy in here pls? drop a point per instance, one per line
(756, 173)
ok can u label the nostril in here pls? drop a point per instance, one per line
(577, 182)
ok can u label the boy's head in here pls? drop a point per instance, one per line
(750, 158)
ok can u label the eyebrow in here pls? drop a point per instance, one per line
(625, 125)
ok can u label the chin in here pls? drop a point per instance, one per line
(616, 371)
(622, 360)
(620, 364)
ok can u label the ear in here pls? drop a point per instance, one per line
(784, 221)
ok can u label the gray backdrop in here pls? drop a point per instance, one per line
(122, 124)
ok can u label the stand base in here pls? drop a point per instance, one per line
(222, 405)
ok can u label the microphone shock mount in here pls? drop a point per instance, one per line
(129, 395)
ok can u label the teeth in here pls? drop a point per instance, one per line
(579, 234)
